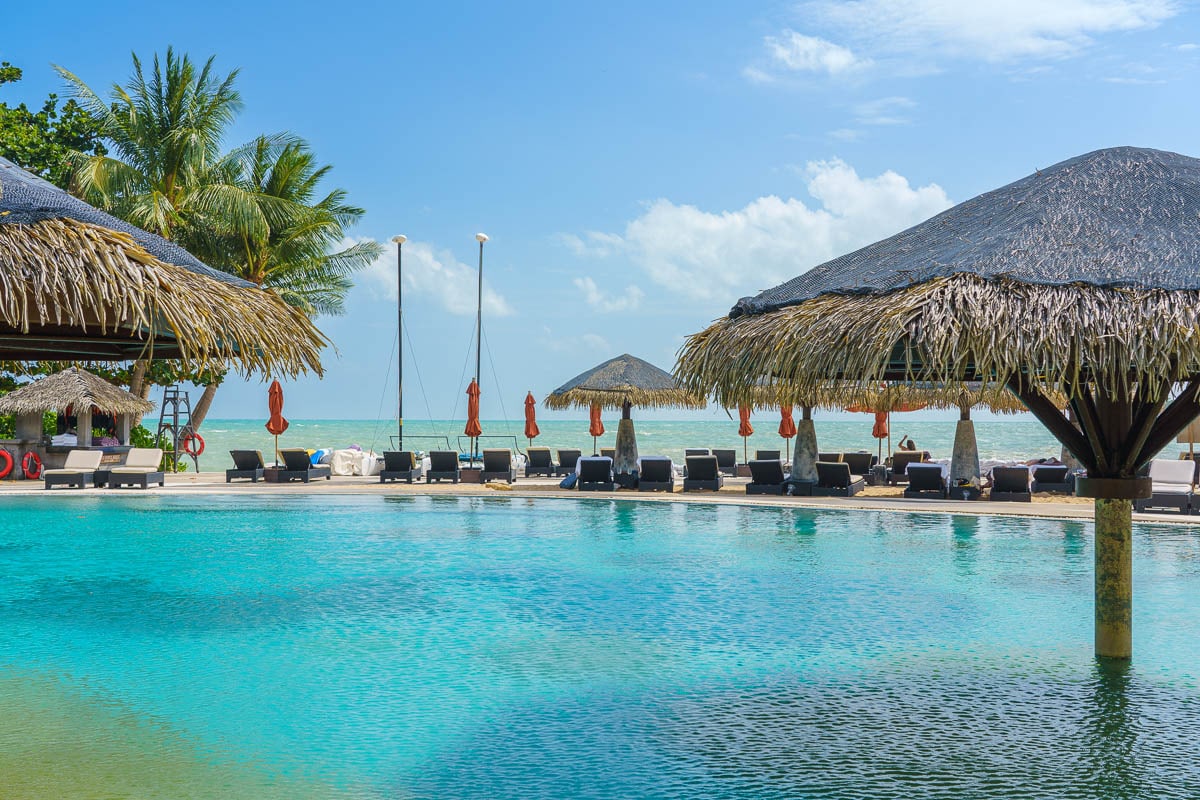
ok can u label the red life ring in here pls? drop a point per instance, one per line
(31, 465)
(190, 445)
(6, 463)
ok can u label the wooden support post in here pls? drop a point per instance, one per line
(1114, 578)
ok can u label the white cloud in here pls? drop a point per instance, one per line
(884, 111)
(993, 32)
(800, 53)
(435, 276)
(630, 299)
(721, 255)
(595, 341)
(846, 134)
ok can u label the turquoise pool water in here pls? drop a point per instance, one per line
(367, 647)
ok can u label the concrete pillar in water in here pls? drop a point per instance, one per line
(964, 462)
(804, 459)
(1114, 578)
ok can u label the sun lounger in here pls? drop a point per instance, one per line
(1170, 486)
(443, 466)
(860, 463)
(566, 461)
(1052, 478)
(1010, 483)
(695, 451)
(834, 480)
(608, 452)
(829, 458)
(656, 475)
(246, 464)
(766, 455)
(925, 481)
(702, 474)
(900, 461)
(595, 474)
(80, 467)
(400, 465)
(726, 461)
(539, 462)
(298, 466)
(766, 477)
(141, 468)
(498, 466)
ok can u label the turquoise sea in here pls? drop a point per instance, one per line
(447, 647)
(1000, 439)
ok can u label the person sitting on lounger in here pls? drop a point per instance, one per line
(906, 444)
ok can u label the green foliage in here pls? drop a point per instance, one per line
(255, 212)
(43, 141)
(140, 436)
(8, 424)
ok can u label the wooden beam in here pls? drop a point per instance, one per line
(1058, 425)
(1089, 420)
(1182, 410)
(1143, 423)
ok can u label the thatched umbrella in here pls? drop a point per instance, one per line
(77, 391)
(1081, 278)
(623, 382)
(78, 284)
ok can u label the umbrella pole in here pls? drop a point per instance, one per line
(745, 451)
(593, 445)
(277, 449)
(787, 449)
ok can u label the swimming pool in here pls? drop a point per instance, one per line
(363, 647)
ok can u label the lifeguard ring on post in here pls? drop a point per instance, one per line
(193, 444)
(31, 465)
(6, 463)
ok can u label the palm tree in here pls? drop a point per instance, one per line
(253, 212)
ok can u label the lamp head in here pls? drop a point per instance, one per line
(481, 237)
(401, 239)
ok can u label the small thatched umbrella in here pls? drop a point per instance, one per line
(1081, 278)
(77, 284)
(623, 382)
(73, 391)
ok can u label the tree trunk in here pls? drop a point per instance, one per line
(1114, 578)
(202, 406)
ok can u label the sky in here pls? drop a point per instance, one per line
(637, 166)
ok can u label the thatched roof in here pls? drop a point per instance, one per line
(887, 396)
(72, 388)
(76, 284)
(620, 379)
(1084, 273)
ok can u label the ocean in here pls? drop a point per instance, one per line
(1000, 439)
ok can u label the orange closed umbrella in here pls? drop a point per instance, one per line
(596, 428)
(473, 429)
(531, 428)
(787, 428)
(276, 425)
(745, 429)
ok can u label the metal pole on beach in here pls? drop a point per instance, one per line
(481, 238)
(400, 240)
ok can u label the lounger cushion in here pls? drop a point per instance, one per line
(1167, 473)
(141, 459)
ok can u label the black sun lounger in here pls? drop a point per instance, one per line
(566, 461)
(834, 480)
(766, 455)
(400, 465)
(595, 474)
(925, 482)
(443, 466)
(1010, 483)
(539, 462)
(897, 473)
(766, 477)
(498, 466)
(702, 474)
(297, 466)
(247, 464)
(726, 461)
(656, 475)
(860, 463)
(1052, 478)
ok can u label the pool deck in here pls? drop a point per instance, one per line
(734, 493)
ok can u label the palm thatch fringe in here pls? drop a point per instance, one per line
(615, 398)
(72, 388)
(1058, 338)
(893, 395)
(622, 379)
(64, 272)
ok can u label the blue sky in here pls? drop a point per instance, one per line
(638, 166)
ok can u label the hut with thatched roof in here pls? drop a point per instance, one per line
(76, 393)
(621, 383)
(77, 284)
(1082, 278)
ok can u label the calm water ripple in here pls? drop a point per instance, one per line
(478, 648)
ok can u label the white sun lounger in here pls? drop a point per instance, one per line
(140, 469)
(80, 467)
(1171, 484)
